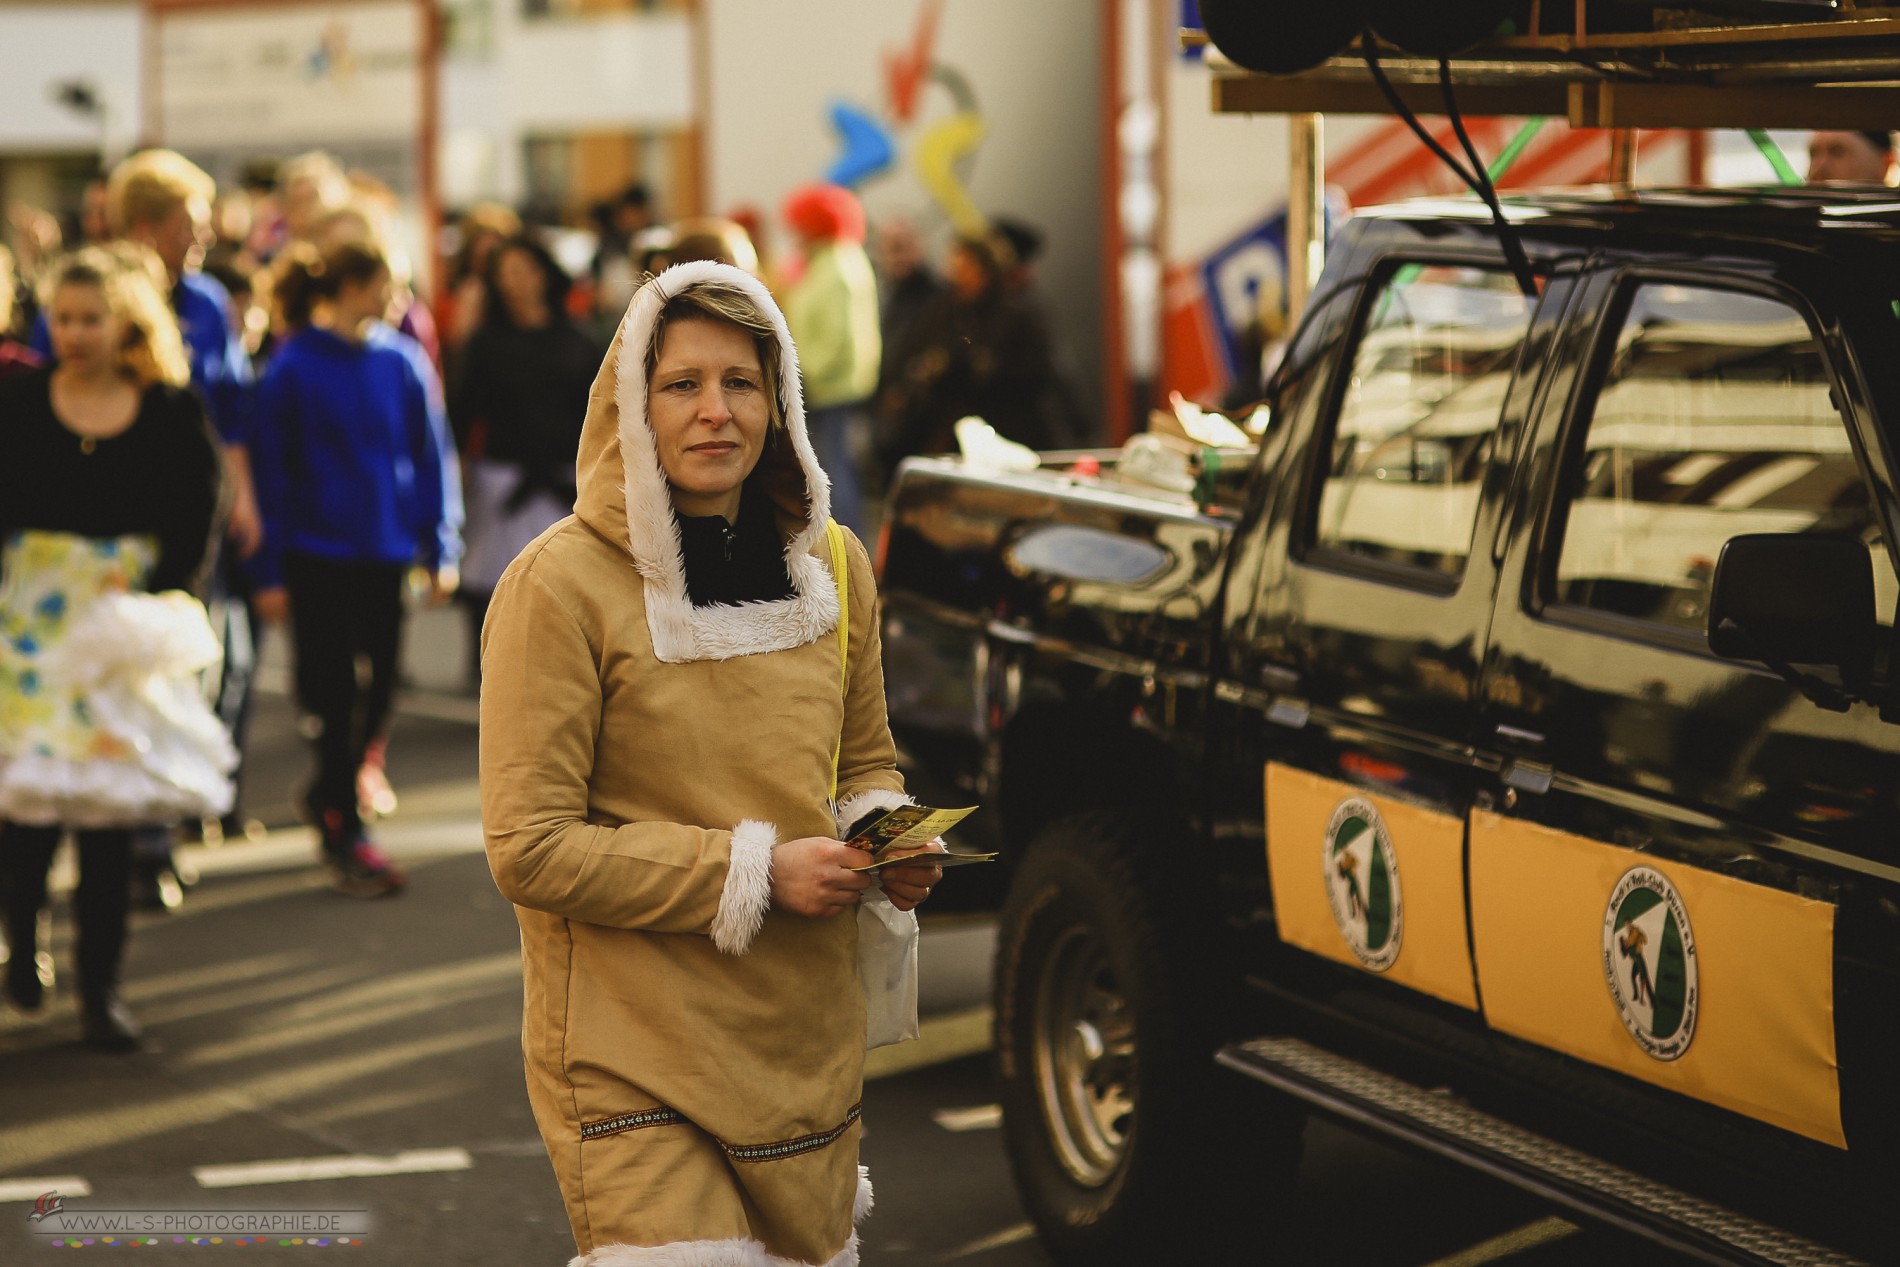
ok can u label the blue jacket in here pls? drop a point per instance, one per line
(220, 370)
(351, 454)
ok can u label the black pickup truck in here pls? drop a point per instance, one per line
(1501, 755)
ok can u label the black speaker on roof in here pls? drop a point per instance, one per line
(1279, 37)
(1435, 28)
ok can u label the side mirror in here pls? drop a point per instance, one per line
(1787, 599)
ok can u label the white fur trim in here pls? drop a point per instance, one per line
(705, 1254)
(730, 1253)
(680, 631)
(858, 804)
(748, 888)
(678, 1254)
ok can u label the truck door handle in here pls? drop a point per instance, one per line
(1528, 776)
(1277, 678)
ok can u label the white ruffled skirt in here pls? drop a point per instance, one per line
(104, 720)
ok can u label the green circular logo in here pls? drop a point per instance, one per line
(1649, 959)
(1362, 883)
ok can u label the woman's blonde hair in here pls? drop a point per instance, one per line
(723, 301)
(151, 185)
(133, 282)
(9, 281)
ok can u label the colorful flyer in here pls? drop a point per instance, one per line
(907, 826)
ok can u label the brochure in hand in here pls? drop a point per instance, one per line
(889, 838)
(909, 858)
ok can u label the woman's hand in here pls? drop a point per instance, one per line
(435, 586)
(245, 528)
(907, 884)
(271, 605)
(812, 877)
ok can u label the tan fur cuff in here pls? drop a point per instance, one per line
(748, 891)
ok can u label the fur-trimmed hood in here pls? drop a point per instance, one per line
(624, 495)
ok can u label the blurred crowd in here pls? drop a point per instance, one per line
(245, 394)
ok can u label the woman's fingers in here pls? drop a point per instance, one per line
(811, 876)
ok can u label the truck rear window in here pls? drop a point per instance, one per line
(1715, 418)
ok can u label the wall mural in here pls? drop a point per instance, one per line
(942, 153)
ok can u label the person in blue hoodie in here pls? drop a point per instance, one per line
(357, 484)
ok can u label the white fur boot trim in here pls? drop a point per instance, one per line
(748, 891)
(704, 1254)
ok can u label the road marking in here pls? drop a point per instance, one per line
(982, 1117)
(996, 1240)
(35, 1143)
(364, 1004)
(34, 1189)
(939, 1040)
(358, 1166)
(1515, 1241)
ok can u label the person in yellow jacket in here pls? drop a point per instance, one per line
(662, 723)
(833, 312)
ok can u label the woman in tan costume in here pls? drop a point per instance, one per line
(663, 719)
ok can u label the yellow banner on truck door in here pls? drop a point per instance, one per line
(1370, 881)
(1698, 982)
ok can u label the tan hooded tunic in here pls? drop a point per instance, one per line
(695, 1058)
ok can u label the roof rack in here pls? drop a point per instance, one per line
(1691, 72)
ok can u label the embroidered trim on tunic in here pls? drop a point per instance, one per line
(632, 1122)
(792, 1147)
(738, 1152)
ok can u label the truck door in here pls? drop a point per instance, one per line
(1359, 655)
(1656, 869)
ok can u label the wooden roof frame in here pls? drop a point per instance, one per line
(1839, 73)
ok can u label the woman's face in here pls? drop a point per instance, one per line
(523, 288)
(360, 301)
(968, 278)
(86, 333)
(708, 408)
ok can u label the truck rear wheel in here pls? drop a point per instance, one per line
(1127, 1143)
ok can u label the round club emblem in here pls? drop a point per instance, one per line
(1649, 960)
(1362, 882)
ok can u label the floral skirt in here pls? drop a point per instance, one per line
(103, 715)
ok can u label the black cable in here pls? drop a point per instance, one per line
(1370, 52)
(1478, 181)
(1507, 232)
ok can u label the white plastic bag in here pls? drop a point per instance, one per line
(887, 967)
(987, 449)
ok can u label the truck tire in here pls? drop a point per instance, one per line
(1127, 1143)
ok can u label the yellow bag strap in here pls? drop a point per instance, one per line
(841, 577)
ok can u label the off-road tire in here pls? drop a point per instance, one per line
(1128, 1144)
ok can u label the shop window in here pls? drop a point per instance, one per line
(1417, 418)
(569, 175)
(1716, 417)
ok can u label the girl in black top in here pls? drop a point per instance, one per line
(109, 486)
(516, 403)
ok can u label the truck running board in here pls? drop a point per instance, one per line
(1592, 1188)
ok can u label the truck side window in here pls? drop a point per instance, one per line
(1416, 421)
(1715, 418)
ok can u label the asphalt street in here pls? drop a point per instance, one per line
(310, 1053)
